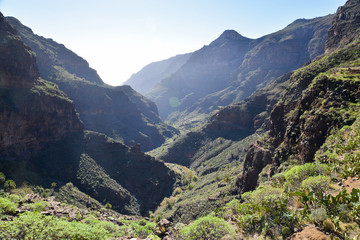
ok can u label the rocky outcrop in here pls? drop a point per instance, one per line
(257, 157)
(345, 27)
(242, 119)
(32, 118)
(17, 63)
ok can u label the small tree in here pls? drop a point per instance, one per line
(9, 185)
(108, 206)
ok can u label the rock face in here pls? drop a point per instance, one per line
(320, 97)
(33, 112)
(32, 118)
(232, 67)
(119, 112)
(345, 24)
(17, 62)
(242, 119)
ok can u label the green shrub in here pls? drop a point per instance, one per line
(208, 228)
(22, 191)
(227, 179)
(264, 195)
(266, 211)
(7, 206)
(70, 185)
(34, 225)
(153, 237)
(318, 215)
(9, 185)
(142, 231)
(318, 184)
(297, 174)
(37, 206)
(232, 207)
(278, 179)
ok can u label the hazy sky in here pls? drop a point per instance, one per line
(119, 37)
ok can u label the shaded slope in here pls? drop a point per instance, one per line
(42, 140)
(109, 171)
(116, 111)
(33, 111)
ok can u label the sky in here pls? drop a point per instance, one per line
(119, 37)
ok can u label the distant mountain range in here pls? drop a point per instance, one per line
(150, 75)
(231, 68)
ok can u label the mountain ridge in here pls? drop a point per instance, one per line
(116, 111)
(232, 66)
(43, 141)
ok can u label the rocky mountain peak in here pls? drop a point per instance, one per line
(229, 35)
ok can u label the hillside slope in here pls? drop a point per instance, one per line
(119, 112)
(42, 140)
(321, 98)
(301, 109)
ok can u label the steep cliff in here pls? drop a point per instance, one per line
(33, 111)
(17, 62)
(321, 97)
(119, 112)
(346, 26)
